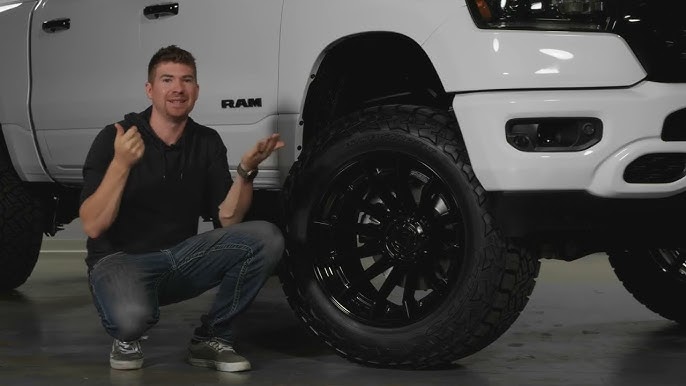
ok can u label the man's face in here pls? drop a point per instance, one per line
(173, 90)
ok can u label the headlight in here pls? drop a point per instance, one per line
(565, 15)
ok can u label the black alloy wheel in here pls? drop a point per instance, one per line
(389, 239)
(655, 277)
(671, 261)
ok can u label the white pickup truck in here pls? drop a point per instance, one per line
(436, 149)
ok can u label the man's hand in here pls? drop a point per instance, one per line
(239, 198)
(262, 149)
(128, 146)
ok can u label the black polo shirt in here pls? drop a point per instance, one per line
(166, 191)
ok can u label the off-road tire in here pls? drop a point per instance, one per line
(478, 304)
(653, 280)
(21, 226)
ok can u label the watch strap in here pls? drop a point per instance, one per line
(248, 175)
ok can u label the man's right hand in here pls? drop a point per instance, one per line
(128, 145)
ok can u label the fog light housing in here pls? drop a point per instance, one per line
(656, 168)
(553, 134)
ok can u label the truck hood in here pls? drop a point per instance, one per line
(9, 4)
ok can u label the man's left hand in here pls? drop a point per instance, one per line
(262, 149)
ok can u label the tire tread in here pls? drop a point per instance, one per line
(21, 229)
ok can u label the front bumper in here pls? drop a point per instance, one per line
(632, 118)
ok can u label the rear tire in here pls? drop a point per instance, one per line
(655, 277)
(21, 226)
(393, 258)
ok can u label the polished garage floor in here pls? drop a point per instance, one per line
(580, 328)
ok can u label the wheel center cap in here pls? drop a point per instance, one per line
(404, 238)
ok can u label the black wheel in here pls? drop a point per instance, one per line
(21, 226)
(393, 258)
(655, 277)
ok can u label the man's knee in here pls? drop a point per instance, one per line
(129, 321)
(274, 242)
(269, 238)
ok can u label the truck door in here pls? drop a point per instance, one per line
(91, 69)
(236, 46)
(87, 71)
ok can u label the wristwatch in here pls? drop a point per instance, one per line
(248, 175)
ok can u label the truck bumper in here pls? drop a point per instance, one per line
(632, 118)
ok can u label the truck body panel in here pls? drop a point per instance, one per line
(88, 76)
(14, 94)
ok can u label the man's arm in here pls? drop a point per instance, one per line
(237, 202)
(239, 198)
(99, 211)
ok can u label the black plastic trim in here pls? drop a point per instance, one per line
(580, 133)
(674, 128)
(656, 32)
(656, 168)
(587, 221)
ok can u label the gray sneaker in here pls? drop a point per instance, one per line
(215, 354)
(126, 355)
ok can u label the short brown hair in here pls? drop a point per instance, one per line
(172, 54)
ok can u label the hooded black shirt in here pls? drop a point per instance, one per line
(167, 190)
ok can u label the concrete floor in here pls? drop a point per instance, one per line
(580, 328)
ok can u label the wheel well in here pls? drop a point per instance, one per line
(4, 153)
(370, 70)
(59, 203)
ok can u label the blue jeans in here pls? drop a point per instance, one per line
(128, 289)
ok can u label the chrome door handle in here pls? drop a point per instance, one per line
(161, 10)
(54, 25)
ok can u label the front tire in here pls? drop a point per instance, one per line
(393, 258)
(21, 226)
(655, 277)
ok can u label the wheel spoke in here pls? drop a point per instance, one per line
(371, 248)
(679, 259)
(448, 219)
(368, 231)
(377, 211)
(389, 284)
(356, 201)
(324, 232)
(409, 302)
(440, 270)
(323, 228)
(426, 198)
(402, 186)
(436, 283)
(362, 282)
(450, 249)
(380, 185)
(377, 268)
